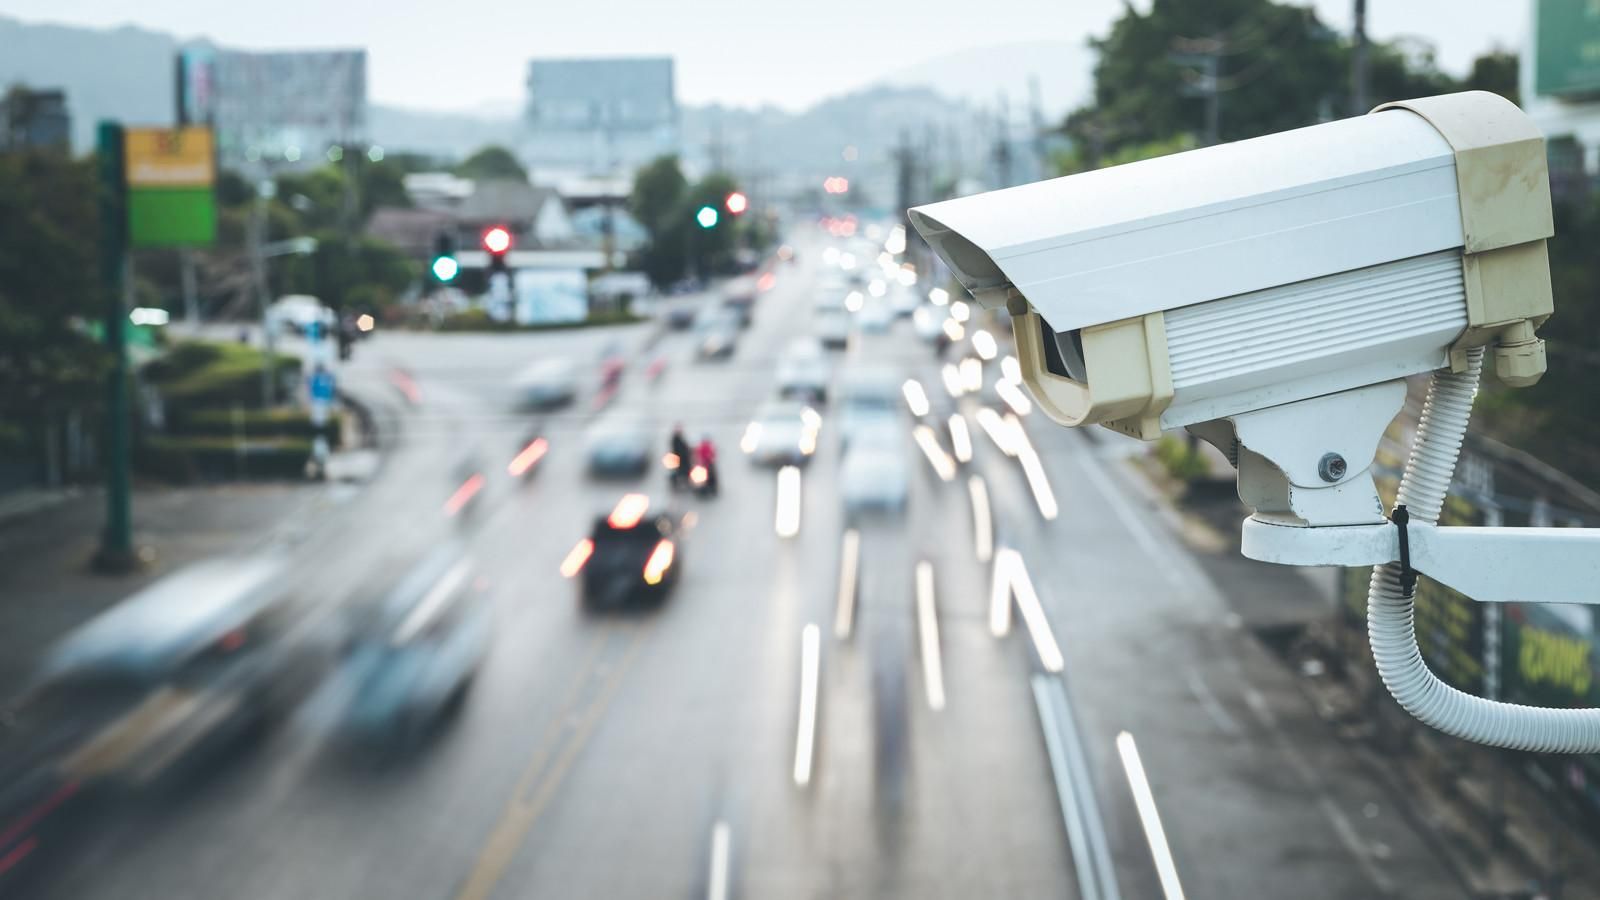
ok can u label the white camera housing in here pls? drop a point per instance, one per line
(1201, 285)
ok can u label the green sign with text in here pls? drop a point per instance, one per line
(1568, 61)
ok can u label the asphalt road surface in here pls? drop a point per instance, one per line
(662, 754)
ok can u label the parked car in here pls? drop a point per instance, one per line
(410, 655)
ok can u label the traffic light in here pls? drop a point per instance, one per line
(707, 217)
(444, 265)
(497, 241)
(737, 203)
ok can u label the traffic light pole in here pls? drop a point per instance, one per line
(116, 543)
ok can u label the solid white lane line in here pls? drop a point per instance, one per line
(943, 465)
(787, 519)
(960, 438)
(1120, 505)
(1044, 642)
(928, 629)
(995, 427)
(982, 519)
(1000, 595)
(1038, 482)
(849, 560)
(1091, 856)
(1145, 802)
(717, 887)
(806, 734)
(1210, 704)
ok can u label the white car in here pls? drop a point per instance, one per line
(832, 328)
(546, 384)
(867, 399)
(875, 476)
(875, 318)
(804, 370)
(782, 433)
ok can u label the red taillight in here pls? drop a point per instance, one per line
(766, 281)
(463, 495)
(530, 454)
(629, 511)
(579, 555)
(30, 819)
(18, 853)
(655, 568)
(232, 641)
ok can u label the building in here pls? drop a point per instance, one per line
(1560, 86)
(282, 107)
(34, 120)
(589, 117)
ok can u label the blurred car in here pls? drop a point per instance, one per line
(739, 298)
(618, 447)
(903, 301)
(630, 556)
(179, 669)
(928, 321)
(875, 318)
(875, 476)
(867, 398)
(829, 297)
(411, 656)
(680, 316)
(296, 313)
(717, 331)
(546, 384)
(804, 370)
(782, 433)
(832, 328)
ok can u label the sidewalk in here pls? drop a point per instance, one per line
(1483, 814)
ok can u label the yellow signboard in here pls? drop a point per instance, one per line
(169, 157)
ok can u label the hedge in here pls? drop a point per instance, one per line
(255, 424)
(479, 320)
(196, 374)
(187, 459)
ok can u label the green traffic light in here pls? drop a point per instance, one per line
(707, 217)
(445, 268)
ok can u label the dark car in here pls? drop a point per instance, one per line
(629, 558)
(680, 316)
(619, 447)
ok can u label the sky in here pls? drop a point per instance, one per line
(471, 55)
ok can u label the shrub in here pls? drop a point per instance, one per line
(188, 459)
(1182, 462)
(254, 424)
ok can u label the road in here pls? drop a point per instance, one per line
(655, 755)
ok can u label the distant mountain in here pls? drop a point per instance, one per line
(130, 78)
(123, 72)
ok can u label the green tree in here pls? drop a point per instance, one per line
(360, 272)
(492, 162)
(657, 203)
(1496, 71)
(49, 292)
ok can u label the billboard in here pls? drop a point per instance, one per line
(546, 296)
(170, 173)
(1568, 48)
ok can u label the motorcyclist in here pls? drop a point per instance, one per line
(705, 455)
(679, 447)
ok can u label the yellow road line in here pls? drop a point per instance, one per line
(520, 815)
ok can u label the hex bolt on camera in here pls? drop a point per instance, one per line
(1271, 296)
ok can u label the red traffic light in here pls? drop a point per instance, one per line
(497, 240)
(738, 203)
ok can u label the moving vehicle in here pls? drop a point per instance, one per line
(903, 301)
(875, 317)
(832, 328)
(546, 384)
(867, 398)
(680, 316)
(179, 671)
(739, 298)
(629, 557)
(804, 371)
(875, 476)
(717, 331)
(782, 433)
(618, 447)
(410, 656)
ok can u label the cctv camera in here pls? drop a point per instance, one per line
(1271, 296)
(1196, 286)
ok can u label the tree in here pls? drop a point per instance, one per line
(657, 203)
(492, 162)
(1496, 71)
(50, 292)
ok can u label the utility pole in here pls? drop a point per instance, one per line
(1204, 56)
(1358, 62)
(265, 188)
(191, 293)
(116, 543)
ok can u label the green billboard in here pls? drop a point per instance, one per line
(1568, 48)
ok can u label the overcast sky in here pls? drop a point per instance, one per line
(472, 54)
